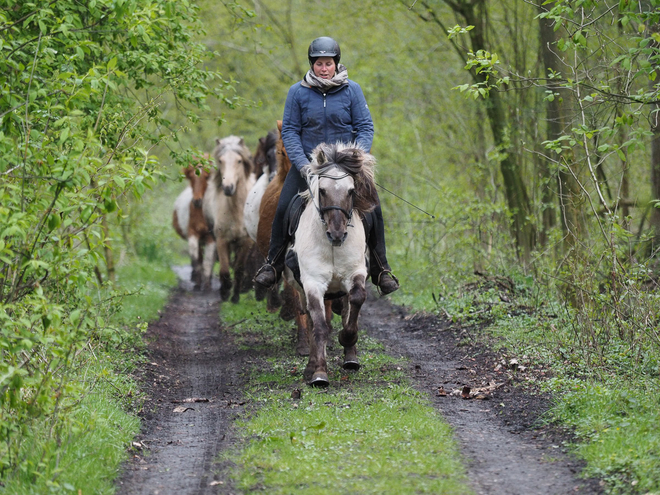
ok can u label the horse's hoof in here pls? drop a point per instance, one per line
(235, 299)
(259, 292)
(319, 379)
(287, 313)
(351, 364)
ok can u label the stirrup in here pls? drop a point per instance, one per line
(389, 291)
(266, 269)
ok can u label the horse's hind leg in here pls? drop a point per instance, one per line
(243, 249)
(194, 250)
(349, 335)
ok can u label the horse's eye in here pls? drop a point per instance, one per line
(322, 192)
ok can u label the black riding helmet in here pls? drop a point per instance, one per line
(323, 47)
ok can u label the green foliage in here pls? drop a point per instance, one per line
(81, 86)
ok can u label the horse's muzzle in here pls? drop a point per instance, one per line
(229, 190)
(336, 241)
(197, 203)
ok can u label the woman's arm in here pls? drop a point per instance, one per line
(292, 130)
(363, 125)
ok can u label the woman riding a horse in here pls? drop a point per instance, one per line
(325, 107)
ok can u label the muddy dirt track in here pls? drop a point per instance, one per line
(194, 386)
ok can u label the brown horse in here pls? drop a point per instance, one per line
(189, 222)
(223, 208)
(291, 305)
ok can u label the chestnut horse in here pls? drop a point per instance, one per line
(291, 307)
(330, 245)
(189, 222)
(223, 208)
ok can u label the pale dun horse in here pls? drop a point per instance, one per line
(330, 245)
(223, 208)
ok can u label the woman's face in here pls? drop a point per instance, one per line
(324, 67)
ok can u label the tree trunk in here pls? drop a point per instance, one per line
(557, 120)
(515, 190)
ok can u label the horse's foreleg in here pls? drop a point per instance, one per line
(242, 251)
(318, 339)
(349, 335)
(223, 258)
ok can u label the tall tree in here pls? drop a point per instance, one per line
(474, 14)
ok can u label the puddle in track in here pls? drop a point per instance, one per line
(191, 357)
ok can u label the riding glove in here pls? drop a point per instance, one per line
(304, 172)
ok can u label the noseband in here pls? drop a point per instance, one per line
(323, 210)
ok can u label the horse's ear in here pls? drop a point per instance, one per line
(241, 142)
(217, 140)
(279, 125)
(320, 157)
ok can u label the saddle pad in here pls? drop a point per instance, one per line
(292, 216)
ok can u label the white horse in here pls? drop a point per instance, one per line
(265, 167)
(330, 245)
(223, 205)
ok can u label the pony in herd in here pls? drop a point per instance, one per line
(226, 214)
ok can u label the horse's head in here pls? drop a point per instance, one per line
(199, 179)
(265, 156)
(234, 163)
(342, 181)
(282, 159)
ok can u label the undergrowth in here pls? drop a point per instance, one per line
(80, 449)
(369, 432)
(604, 386)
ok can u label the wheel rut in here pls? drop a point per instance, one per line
(194, 387)
(506, 451)
(192, 358)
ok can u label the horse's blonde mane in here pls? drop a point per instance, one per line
(353, 160)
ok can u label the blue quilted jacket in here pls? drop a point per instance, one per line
(312, 117)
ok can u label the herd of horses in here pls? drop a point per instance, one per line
(226, 214)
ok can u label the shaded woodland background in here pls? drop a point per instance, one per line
(528, 129)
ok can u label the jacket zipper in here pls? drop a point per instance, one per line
(325, 118)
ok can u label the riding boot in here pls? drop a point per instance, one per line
(269, 274)
(379, 268)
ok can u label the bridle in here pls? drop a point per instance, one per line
(323, 210)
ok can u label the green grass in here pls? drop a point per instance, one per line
(96, 431)
(369, 432)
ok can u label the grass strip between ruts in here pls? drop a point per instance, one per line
(369, 432)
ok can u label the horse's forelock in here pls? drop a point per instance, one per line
(235, 144)
(355, 161)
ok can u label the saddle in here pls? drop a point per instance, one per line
(291, 221)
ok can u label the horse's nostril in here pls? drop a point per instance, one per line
(229, 190)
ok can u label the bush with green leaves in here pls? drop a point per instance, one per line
(81, 89)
